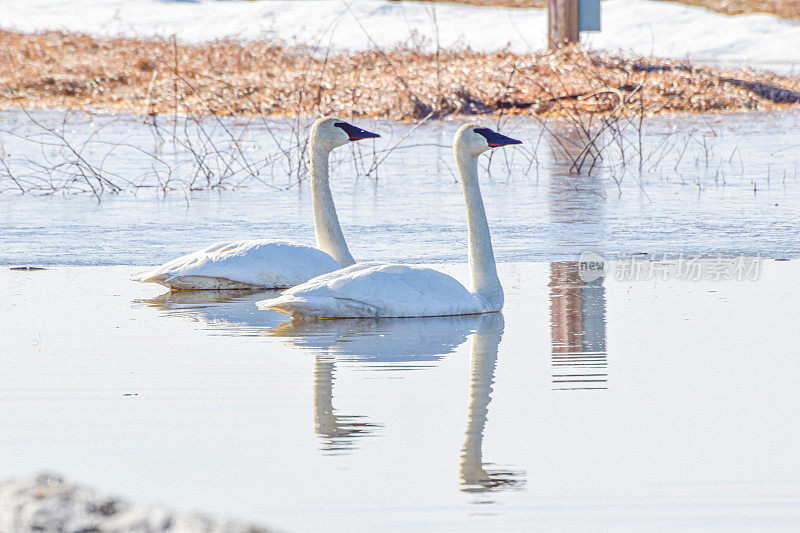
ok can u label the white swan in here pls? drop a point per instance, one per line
(390, 290)
(263, 263)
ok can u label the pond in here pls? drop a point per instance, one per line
(660, 390)
(604, 405)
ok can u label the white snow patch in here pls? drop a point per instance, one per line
(646, 27)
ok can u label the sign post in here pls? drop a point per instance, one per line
(567, 18)
(562, 19)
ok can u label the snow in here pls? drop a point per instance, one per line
(647, 27)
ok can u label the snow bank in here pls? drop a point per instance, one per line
(636, 26)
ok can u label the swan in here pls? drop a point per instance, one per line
(392, 290)
(272, 264)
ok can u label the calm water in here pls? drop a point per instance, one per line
(662, 397)
(611, 405)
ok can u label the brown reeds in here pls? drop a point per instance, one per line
(265, 78)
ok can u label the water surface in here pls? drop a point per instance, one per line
(663, 395)
(601, 405)
(721, 184)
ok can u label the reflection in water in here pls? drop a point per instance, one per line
(387, 344)
(231, 312)
(477, 476)
(336, 431)
(234, 312)
(577, 329)
(577, 309)
(382, 344)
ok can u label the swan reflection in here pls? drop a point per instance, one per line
(477, 476)
(383, 344)
(386, 344)
(337, 432)
(230, 312)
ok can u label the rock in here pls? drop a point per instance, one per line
(48, 504)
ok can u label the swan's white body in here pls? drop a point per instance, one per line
(242, 265)
(272, 264)
(390, 290)
(380, 290)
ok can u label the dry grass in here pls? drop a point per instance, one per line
(782, 8)
(226, 78)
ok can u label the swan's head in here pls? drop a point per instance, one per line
(476, 139)
(331, 132)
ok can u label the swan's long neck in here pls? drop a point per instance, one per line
(326, 224)
(483, 271)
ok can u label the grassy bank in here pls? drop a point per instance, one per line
(156, 76)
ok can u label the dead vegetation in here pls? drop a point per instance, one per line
(265, 78)
(183, 95)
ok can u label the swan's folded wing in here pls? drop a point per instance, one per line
(243, 263)
(377, 290)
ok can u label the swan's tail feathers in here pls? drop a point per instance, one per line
(288, 305)
(192, 283)
(318, 307)
(149, 277)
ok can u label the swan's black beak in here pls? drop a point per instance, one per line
(355, 134)
(495, 139)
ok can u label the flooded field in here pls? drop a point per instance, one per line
(725, 184)
(659, 391)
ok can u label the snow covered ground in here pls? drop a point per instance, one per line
(637, 26)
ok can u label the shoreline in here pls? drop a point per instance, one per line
(154, 77)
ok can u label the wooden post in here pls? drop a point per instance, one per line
(562, 19)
